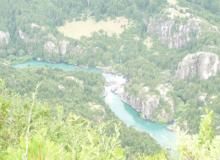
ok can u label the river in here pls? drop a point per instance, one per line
(123, 111)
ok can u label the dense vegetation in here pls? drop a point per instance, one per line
(81, 95)
(205, 145)
(29, 130)
(32, 130)
(72, 90)
(212, 6)
(32, 23)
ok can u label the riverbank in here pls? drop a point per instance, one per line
(122, 110)
(113, 91)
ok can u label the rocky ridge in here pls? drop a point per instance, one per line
(201, 64)
(174, 34)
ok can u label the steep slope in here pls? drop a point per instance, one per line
(80, 93)
(148, 53)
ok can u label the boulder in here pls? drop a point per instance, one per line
(201, 64)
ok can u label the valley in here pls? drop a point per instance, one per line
(122, 110)
(140, 77)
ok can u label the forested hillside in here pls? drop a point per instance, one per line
(79, 93)
(167, 50)
(32, 130)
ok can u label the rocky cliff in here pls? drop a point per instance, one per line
(201, 64)
(173, 33)
(50, 47)
(61, 48)
(151, 106)
(175, 27)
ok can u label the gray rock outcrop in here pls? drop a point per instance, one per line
(145, 106)
(4, 38)
(50, 47)
(174, 34)
(63, 45)
(201, 64)
(147, 103)
(150, 108)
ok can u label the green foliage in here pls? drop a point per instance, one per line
(126, 54)
(213, 6)
(4, 109)
(141, 71)
(206, 131)
(77, 98)
(53, 135)
(73, 90)
(39, 148)
(135, 142)
(2, 84)
(158, 156)
(203, 146)
(188, 94)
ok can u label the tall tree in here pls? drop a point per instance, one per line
(206, 133)
(12, 25)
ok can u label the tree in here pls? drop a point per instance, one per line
(12, 24)
(206, 133)
(204, 146)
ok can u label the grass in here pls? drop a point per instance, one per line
(78, 29)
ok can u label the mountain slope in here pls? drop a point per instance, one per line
(161, 35)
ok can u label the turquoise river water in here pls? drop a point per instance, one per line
(123, 111)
